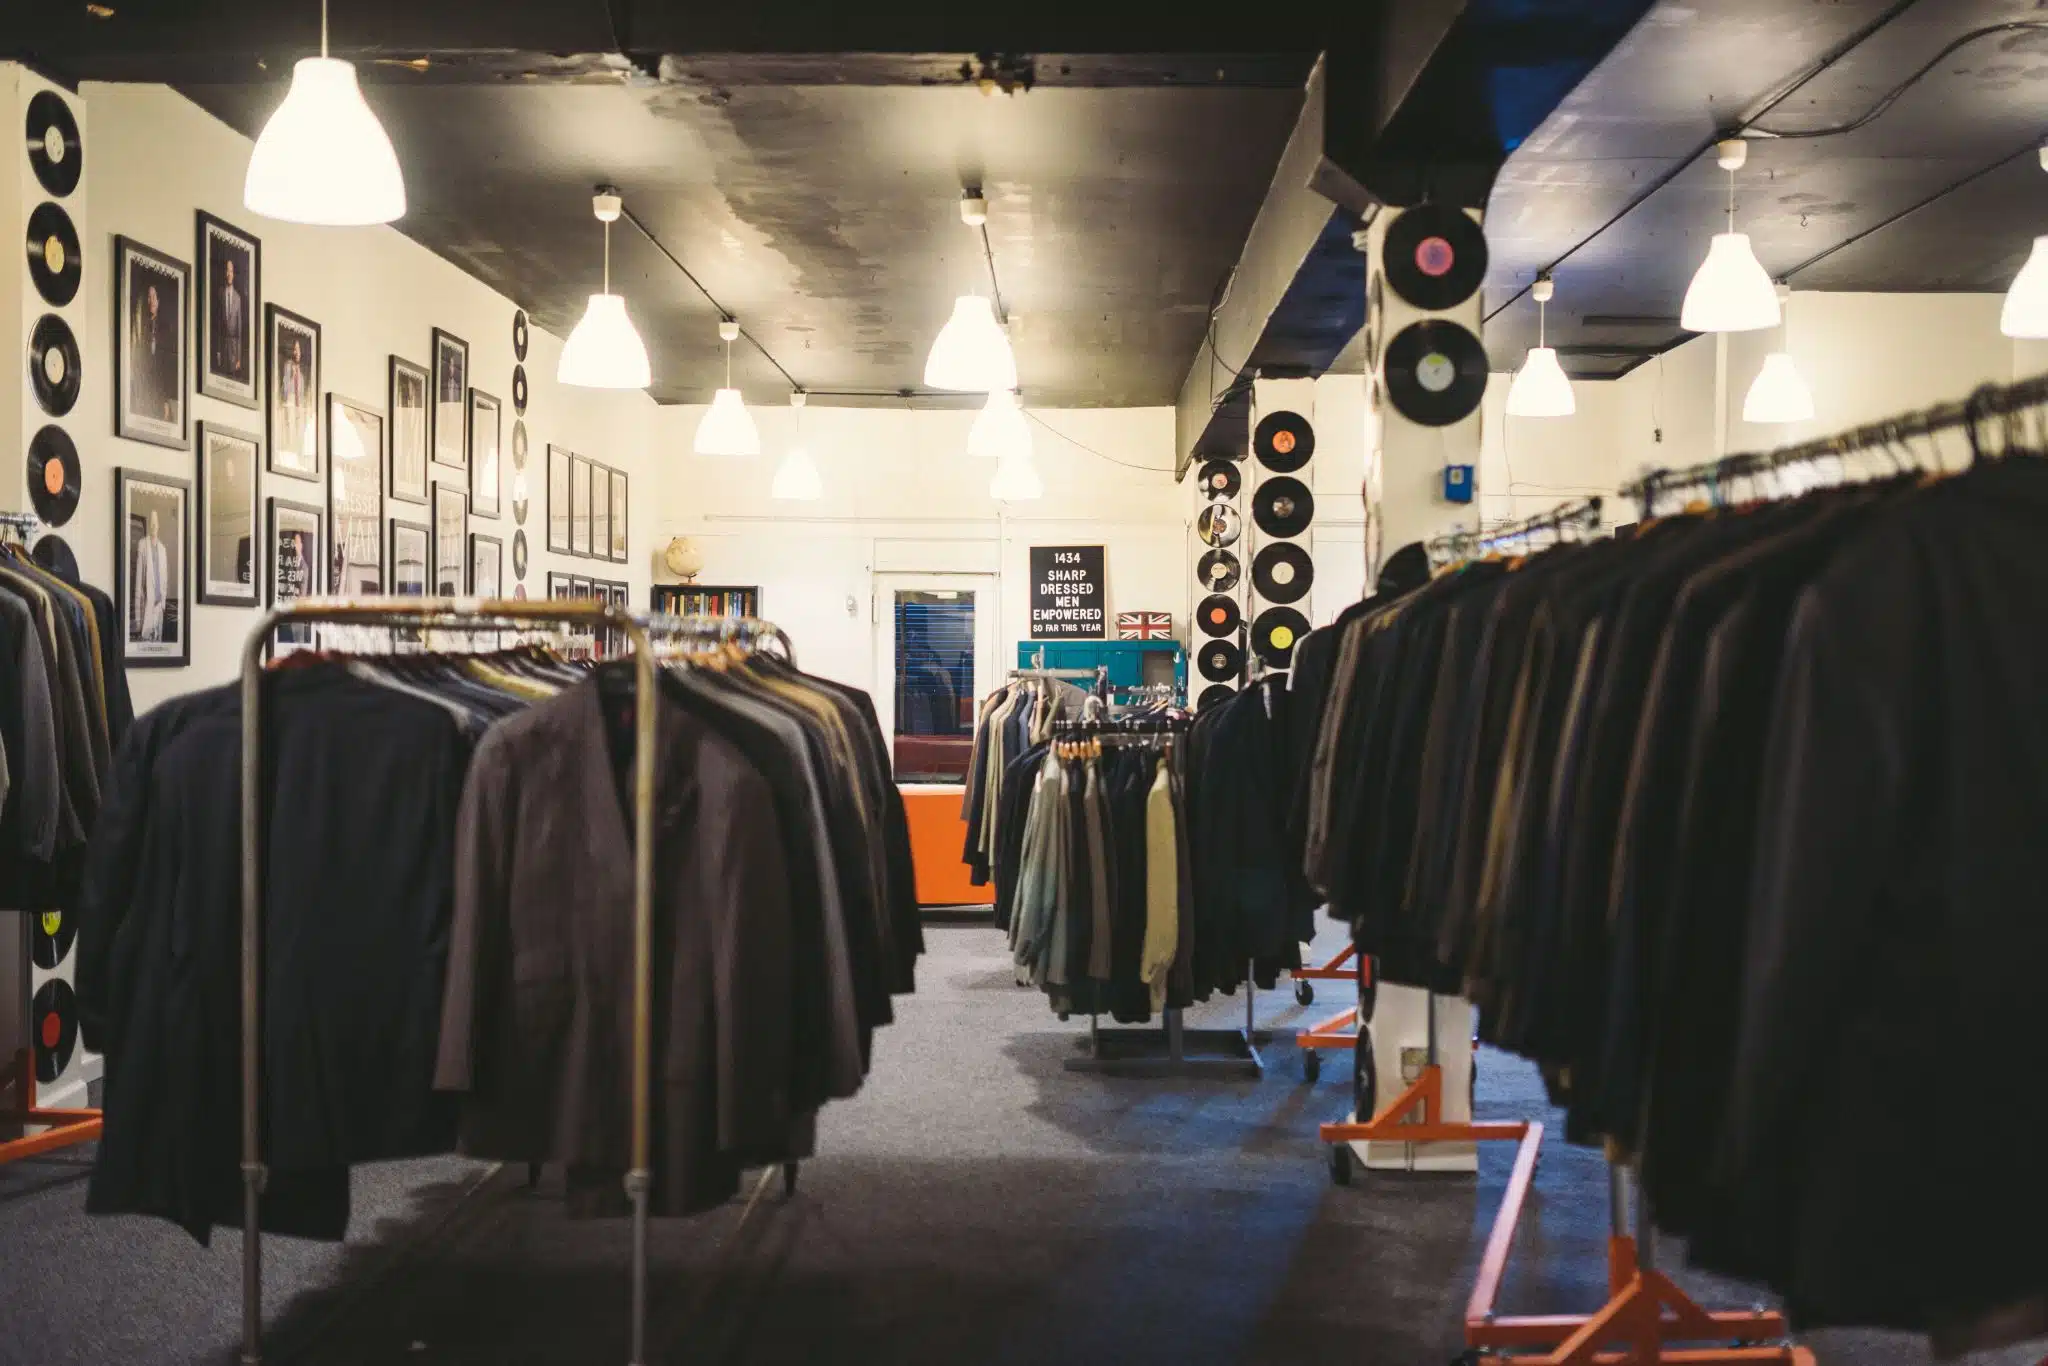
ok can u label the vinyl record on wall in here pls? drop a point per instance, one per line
(1219, 524)
(519, 389)
(53, 1020)
(51, 934)
(1375, 321)
(1220, 660)
(53, 477)
(1436, 373)
(519, 554)
(1284, 441)
(55, 153)
(1221, 479)
(519, 336)
(1283, 506)
(1218, 570)
(54, 554)
(518, 445)
(53, 259)
(1274, 635)
(1435, 256)
(1215, 695)
(1218, 615)
(53, 364)
(1283, 572)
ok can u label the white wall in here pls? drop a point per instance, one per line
(155, 158)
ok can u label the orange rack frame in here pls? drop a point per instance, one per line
(66, 1127)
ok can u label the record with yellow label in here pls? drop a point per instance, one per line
(51, 937)
(1274, 634)
(53, 259)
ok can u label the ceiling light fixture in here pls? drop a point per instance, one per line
(1541, 387)
(1000, 429)
(323, 158)
(605, 351)
(1779, 392)
(728, 428)
(972, 352)
(1730, 291)
(2026, 303)
(797, 479)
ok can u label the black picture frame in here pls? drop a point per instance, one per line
(220, 246)
(292, 569)
(220, 487)
(450, 542)
(291, 394)
(621, 525)
(600, 512)
(137, 495)
(486, 462)
(579, 507)
(558, 585)
(411, 544)
(448, 401)
(405, 435)
(151, 402)
(485, 550)
(355, 498)
(558, 499)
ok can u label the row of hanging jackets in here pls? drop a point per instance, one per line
(1011, 720)
(1733, 824)
(447, 936)
(64, 708)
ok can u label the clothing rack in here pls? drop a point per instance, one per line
(1583, 514)
(642, 631)
(19, 521)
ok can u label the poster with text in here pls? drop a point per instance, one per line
(1068, 597)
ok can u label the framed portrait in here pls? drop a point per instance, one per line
(618, 482)
(230, 303)
(295, 564)
(408, 409)
(151, 293)
(558, 500)
(579, 506)
(485, 414)
(229, 479)
(600, 512)
(449, 439)
(450, 566)
(558, 586)
(152, 577)
(579, 587)
(355, 498)
(410, 550)
(486, 565)
(291, 411)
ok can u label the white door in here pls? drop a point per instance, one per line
(935, 659)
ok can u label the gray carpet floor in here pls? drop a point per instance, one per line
(976, 1203)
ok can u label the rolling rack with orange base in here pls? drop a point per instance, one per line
(59, 1128)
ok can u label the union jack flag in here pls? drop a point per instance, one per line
(1144, 625)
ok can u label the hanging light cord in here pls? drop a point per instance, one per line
(1891, 97)
(988, 250)
(323, 29)
(607, 258)
(723, 311)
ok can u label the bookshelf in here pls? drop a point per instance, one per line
(707, 600)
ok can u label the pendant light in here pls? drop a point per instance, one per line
(1016, 481)
(1000, 430)
(1779, 392)
(972, 353)
(605, 351)
(2026, 304)
(1730, 291)
(323, 158)
(796, 479)
(1541, 387)
(728, 428)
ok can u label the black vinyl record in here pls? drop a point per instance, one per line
(1283, 572)
(1283, 506)
(1220, 660)
(518, 445)
(1221, 479)
(519, 389)
(1218, 570)
(518, 554)
(1219, 524)
(1275, 633)
(1284, 441)
(53, 475)
(53, 1020)
(55, 153)
(1215, 695)
(53, 257)
(1436, 373)
(51, 935)
(54, 554)
(1435, 256)
(1218, 615)
(53, 364)
(519, 335)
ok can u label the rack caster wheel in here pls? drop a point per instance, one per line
(1340, 1164)
(1304, 992)
(1311, 1066)
(789, 1180)
(1365, 1078)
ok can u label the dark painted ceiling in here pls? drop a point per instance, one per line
(1618, 188)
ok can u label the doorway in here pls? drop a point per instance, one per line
(935, 655)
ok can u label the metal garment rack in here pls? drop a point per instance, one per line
(1582, 515)
(642, 631)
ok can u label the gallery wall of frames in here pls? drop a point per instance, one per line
(255, 411)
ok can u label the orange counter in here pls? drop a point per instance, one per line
(936, 835)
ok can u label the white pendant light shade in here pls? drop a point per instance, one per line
(2026, 304)
(1779, 392)
(1541, 387)
(605, 350)
(1730, 291)
(1016, 481)
(728, 428)
(1000, 430)
(971, 354)
(797, 479)
(323, 158)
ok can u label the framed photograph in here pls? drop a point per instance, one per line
(151, 293)
(230, 302)
(355, 498)
(558, 500)
(408, 408)
(295, 564)
(229, 476)
(484, 484)
(152, 577)
(291, 413)
(579, 506)
(600, 512)
(410, 550)
(447, 436)
(486, 565)
(619, 520)
(450, 565)
(558, 586)
(579, 587)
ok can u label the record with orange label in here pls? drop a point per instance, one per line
(53, 258)
(1221, 479)
(1214, 695)
(1220, 660)
(1435, 256)
(1283, 506)
(1283, 572)
(1284, 441)
(1219, 615)
(51, 934)
(53, 477)
(1274, 634)
(53, 1021)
